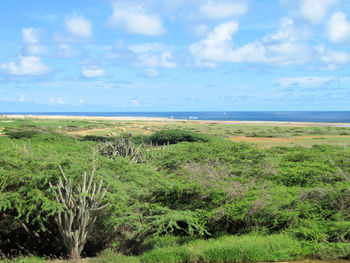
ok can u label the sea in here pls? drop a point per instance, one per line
(285, 116)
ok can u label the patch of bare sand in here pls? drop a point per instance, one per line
(260, 139)
(87, 132)
(140, 130)
(62, 117)
(130, 118)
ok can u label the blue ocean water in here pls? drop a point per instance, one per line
(293, 116)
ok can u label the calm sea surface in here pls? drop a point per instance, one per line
(297, 116)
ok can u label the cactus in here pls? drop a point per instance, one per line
(123, 147)
(80, 207)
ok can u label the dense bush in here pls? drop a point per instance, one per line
(185, 197)
(21, 134)
(175, 136)
(97, 138)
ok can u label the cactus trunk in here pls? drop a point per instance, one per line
(79, 213)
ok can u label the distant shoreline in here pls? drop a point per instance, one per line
(133, 118)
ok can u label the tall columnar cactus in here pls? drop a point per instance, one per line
(80, 207)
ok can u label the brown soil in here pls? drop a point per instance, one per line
(261, 139)
(87, 132)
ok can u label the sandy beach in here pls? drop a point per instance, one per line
(132, 118)
(66, 117)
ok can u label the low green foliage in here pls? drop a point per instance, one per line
(201, 199)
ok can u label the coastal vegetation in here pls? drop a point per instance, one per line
(179, 191)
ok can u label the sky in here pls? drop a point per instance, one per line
(174, 55)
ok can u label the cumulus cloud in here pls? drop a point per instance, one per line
(338, 28)
(30, 35)
(26, 66)
(316, 10)
(223, 9)
(218, 43)
(329, 59)
(287, 46)
(153, 55)
(32, 47)
(78, 26)
(284, 47)
(134, 19)
(21, 98)
(93, 72)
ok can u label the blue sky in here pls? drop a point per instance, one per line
(174, 55)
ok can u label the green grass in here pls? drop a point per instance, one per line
(229, 249)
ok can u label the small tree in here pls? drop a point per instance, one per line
(80, 207)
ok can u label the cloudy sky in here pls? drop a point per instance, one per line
(174, 55)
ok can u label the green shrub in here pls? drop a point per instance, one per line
(21, 134)
(333, 251)
(176, 136)
(97, 138)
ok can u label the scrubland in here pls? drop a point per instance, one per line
(179, 191)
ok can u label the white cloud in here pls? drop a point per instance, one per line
(337, 57)
(134, 102)
(93, 72)
(30, 35)
(316, 10)
(81, 101)
(61, 51)
(338, 28)
(26, 66)
(332, 56)
(283, 48)
(153, 55)
(200, 30)
(55, 101)
(288, 45)
(134, 19)
(223, 9)
(66, 51)
(307, 82)
(78, 26)
(34, 50)
(21, 99)
(218, 43)
(330, 59)
(60, 101)
(152, 73)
